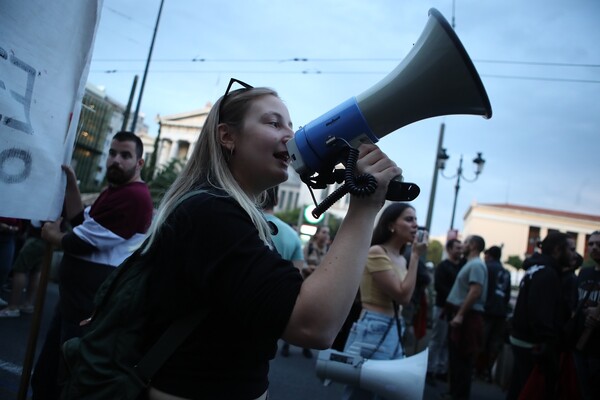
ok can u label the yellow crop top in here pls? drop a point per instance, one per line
(369, 292)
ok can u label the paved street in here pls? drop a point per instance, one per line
(14, 334)
(292, 378)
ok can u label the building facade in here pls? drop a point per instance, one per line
(179, 134)
(101, 117)
(518, 229)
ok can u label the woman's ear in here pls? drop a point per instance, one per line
(390, 228)
(226, 137)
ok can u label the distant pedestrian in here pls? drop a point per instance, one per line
(9, 228)
(444, 276)
(315, 249)
(495, 314)
(465, 306)
(587, 355)
(286, 242)
(26, 273)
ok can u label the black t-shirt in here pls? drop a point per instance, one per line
(498, 290)
(444, 277)
(588, 281)
(209, 254)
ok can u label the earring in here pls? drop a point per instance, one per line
(391, 230)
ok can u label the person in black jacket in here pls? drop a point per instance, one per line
(537, 321)
(587, 353)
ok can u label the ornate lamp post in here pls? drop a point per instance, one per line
(478, 161)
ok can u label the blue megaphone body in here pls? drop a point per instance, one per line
(436, 78)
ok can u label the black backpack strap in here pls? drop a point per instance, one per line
(166, 345)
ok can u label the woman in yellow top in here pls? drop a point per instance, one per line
(387, 283)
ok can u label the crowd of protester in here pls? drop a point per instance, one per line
(549, 322)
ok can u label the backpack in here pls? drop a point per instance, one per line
(108, 360)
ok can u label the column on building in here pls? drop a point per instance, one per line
(164, 149)
(174, 150)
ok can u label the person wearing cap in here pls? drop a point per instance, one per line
(495, 312)
(537, 321)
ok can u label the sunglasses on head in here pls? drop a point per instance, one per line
(244, 85)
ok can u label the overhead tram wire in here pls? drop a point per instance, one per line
(324, 72)
(325, 60)
(199, 60)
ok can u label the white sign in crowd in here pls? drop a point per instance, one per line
(45, 52)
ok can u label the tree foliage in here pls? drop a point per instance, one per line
(289, 216)
(515, 261)
(434, 252)
(163, 178)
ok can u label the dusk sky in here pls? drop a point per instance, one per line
(539, 62)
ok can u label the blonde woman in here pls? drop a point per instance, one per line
(214, 251)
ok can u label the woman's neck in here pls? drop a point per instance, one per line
(392, 247)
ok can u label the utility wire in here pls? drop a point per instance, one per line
(320, 72)
(326, 60)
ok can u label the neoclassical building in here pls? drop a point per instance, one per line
(178, 134)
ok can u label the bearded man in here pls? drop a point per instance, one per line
(103, 236)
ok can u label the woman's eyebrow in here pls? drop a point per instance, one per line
(280, 118)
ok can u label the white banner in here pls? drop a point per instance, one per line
(45, 52)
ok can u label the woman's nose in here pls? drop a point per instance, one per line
(288, 135)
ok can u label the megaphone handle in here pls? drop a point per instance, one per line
(402, 191)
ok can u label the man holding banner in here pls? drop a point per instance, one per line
(103, 236)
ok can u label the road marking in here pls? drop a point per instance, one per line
(10, 367)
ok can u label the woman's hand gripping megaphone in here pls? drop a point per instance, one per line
(367, 171)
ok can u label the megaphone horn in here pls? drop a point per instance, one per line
(436, 78)
(402, 379)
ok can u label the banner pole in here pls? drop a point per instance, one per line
(40, 298)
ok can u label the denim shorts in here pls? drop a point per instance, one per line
(374, 336)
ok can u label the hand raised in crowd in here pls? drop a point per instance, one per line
(420, 246)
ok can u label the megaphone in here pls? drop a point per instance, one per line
(436, 78)
(402, 379)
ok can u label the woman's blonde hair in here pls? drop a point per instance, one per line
(208, 168)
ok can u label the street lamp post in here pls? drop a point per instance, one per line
(440, 159)
(478, 161)
(139, 102)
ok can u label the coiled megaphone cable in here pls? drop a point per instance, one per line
(361, 185)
